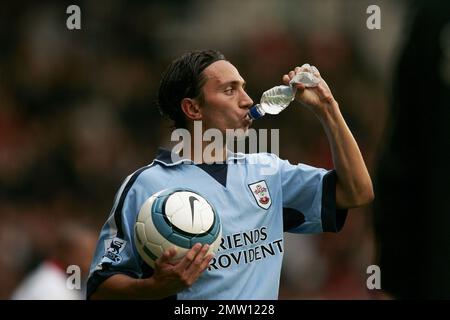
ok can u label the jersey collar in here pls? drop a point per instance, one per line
(165, 157)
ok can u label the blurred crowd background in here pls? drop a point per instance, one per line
(78, 114)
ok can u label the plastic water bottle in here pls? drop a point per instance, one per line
(275, 100)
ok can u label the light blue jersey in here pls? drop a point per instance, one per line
(256, 206)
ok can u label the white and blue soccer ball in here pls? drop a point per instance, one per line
(178, 218)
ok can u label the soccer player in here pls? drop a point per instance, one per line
(255, 208)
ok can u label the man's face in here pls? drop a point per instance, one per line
(226, 103)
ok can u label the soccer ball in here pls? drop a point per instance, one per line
(178, 218)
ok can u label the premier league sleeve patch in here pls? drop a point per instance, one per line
(113, 248)
(260, 192)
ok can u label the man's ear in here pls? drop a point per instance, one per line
(191, 109)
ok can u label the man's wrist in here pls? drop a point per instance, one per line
(329, 113)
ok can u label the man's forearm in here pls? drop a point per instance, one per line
(120, 286)
(354, 186)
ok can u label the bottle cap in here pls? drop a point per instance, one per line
(254, 112)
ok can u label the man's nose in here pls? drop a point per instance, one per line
(246, 101)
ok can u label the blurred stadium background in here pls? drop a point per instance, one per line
(78, 114)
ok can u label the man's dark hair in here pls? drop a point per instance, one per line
(184, 78)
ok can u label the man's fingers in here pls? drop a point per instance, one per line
(189, 257)
(324, 92)
(197, 262)
(286, 79)
(291, 75)
(315, 71)
(166, 256)
(195, 270)
(300, 87)
(193, 264)
(206, 262)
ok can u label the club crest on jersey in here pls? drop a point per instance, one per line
(260, 192)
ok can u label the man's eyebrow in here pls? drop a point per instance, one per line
(233, 83)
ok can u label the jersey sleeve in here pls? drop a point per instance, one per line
(309, 199)
(116, 252)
